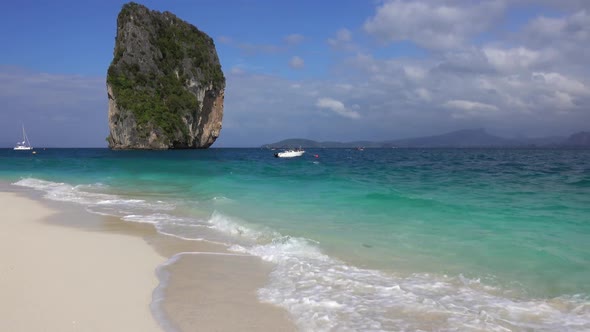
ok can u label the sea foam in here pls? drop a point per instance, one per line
(326, 294)
(90, 196)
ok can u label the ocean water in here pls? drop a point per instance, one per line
(373, 240)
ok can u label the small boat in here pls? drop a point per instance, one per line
(25, 144)
(290, 153)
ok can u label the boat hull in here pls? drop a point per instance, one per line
(289, 154)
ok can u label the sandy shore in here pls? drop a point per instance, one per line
(64, 269)
(55, 278)
(217, 292)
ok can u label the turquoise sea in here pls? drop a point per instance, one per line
(380, 239)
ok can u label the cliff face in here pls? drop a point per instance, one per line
(165, 85)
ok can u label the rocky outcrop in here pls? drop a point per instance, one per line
(165, 85)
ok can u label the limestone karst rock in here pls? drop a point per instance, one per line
(165, 85)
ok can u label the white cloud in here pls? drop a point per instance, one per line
(512, 59)
(573, 27)
(547, 27)
(395, 105)
(337, 107)
(562, 101)
(342, 40)
(556, 81)
(463, 109)
(50, 89)
(54, 108)
(430, 24)
(414, 72)
(423, 94)
(344, 35)
(566, 37)
(534, 80)
(466, 105)
(296, 62)
(294, 39)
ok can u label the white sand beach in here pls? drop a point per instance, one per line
(64, 269)
(56, 278)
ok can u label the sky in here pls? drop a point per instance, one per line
(341, 70)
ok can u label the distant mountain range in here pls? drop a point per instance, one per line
(468, 138)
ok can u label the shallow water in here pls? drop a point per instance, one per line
(380, 239)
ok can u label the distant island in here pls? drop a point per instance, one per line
(467, 138)
(165, 85)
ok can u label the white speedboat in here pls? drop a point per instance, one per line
(290, 153)
(25, 144)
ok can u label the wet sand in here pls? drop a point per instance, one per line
(66, 269)
(217, 292)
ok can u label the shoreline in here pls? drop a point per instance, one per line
(107, 257)
(211, 291)
(346, 252)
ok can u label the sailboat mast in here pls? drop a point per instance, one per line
(25, 138)
(25, 144)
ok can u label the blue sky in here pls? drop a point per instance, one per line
(325, 70)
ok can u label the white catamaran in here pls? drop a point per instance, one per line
(25, 144)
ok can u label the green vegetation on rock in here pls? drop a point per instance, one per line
(157, 59)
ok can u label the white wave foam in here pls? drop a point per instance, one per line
(284, 247)
(88, 195)
(183, 237)
(156, 218)
(60, 191)
(239, 228)
(221, 199)
(324, 294)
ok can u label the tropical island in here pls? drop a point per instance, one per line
(467, 138)
(165, 84)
